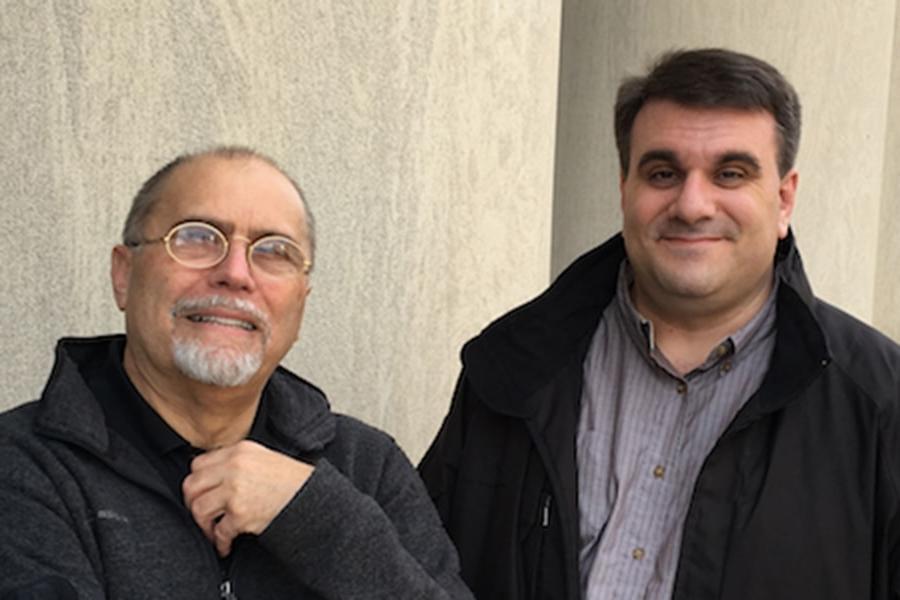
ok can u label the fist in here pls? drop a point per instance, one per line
(240, 489)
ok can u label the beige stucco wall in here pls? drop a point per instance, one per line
(422, 132)
(887, 288)
(425, 135)
(838, 55)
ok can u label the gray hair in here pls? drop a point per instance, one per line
(145, 199)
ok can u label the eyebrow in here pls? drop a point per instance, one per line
(741, 157)
(228, 229)
(729, 156)
(658, 155)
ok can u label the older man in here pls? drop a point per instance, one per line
(179, 460)
(678, 415)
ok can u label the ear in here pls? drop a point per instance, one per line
(787, 194)
(622, 178)
(120, 274)
(304, 294)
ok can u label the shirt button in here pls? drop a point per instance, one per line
(681, 388)
(722, 350)
(659, 471)
(726, 367)
(637, 554)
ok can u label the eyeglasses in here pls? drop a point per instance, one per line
(199, 245)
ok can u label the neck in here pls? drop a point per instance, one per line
(206, 416)
(687, 331)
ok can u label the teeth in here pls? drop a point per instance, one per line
(222, 321)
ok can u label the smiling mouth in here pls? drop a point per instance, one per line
(240, 324)
(690, 240)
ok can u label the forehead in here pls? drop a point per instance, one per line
(703, 132)
(242, 193)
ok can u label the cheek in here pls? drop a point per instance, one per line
(754, 214)
(286, 313)
(641, 207)
(639, 219)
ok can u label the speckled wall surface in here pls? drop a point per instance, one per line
(422, 132)
(839, 56)
(425, 135)
(887, 289)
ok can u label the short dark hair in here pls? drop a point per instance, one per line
(145, 199)
(711, 78)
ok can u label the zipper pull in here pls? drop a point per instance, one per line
(226, 591)
(545, 511)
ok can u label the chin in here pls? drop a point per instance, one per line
(216, 366)
(679, 285)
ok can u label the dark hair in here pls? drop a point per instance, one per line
(711, 78)
(147, 196)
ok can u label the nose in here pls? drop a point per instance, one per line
(234, 270)
(696, 199)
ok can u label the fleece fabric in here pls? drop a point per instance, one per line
(83, 513)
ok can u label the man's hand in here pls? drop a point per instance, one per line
(240, 489)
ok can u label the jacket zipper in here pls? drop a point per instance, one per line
(226, 588)
(545, 511)
(226, 591)
(537, 584)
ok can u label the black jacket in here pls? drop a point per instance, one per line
(799, 498)
(84, 514)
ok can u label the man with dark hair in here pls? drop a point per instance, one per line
(180, 460)
(678, 416)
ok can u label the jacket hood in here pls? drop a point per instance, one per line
(516, 355)
(299, 414)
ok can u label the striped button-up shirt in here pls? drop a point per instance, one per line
(643, 435)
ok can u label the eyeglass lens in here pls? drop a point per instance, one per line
(201, 246)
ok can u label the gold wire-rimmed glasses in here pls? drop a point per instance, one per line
(199, 245)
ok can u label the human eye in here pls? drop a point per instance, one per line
(196, 235)
(277, 255)
(662, 176)
(731, 176)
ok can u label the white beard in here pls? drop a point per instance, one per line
(215, 366)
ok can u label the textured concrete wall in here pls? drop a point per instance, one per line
(422, 132)
(838, 55)
(887, 288)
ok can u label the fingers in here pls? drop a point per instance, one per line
(240, 489)
(224, 534)
(206, 506)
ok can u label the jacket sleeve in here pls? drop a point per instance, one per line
(41, 551)
(367, 530)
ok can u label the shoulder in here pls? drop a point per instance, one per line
(524, 349)
(360, 442)
(17, 433)
(18, 419)
(863, 354)
(31, 465)
(366, 455)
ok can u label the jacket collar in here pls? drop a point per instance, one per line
(299, 414)
(522, 351)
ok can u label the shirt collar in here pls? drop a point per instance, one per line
(640, 329)
(130, 415)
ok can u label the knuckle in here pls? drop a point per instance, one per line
(196, 508)
(237, 509)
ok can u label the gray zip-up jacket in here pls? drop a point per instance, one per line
(84, 515)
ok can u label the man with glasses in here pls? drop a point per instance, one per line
(180, 460)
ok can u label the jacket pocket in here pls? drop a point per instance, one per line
(537, 550)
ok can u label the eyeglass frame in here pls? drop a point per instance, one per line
(306, 267)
